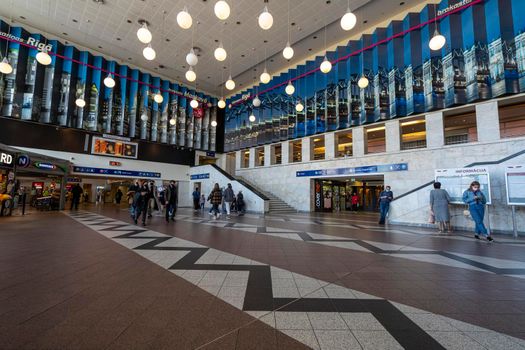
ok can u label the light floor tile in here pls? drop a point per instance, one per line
(327, 321)
(456, 341)
(376, 340)
(337, 340)
(362, 321)
(307, 337)
(292, 320)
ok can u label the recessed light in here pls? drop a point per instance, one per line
(309, 49)
(161, 66)
(401, 3)
(315, 37)
(64, 33)
(365, 21)
(242, 55)
(271, 60)
(265, 41)
(74, 20)
(292, 24)
(129, 21)
(22, 17)
(238, 22)
(168, 40)
(183, 66)
(129, 58)
(224, 67)
(99, 46)
(118, 39)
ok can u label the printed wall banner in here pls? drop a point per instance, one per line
(114, 148)
(6, 159)
(200, 176)
(115, 172)
(456, 181)
(23, 161)
(515, 182)
(372, 169)
(45, 165)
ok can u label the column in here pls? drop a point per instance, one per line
(306, 149)
(358, 141)
(238, 160)
(252, 158)
(269, 157)
(392, 136)
(487, 121)
(329, 145)
(285, 152)
(435, 132)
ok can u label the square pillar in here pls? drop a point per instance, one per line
(306, 149)
(358, 141)
(487, 121)
(329, 145)
(392, 136)
(269, 156)
(435, 130)
(252, 158)
(238, 160)
(285, 152)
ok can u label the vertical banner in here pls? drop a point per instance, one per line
(276, 110)
(144, 112)
(30, 78)
(213, 129)
(10, 79)
(283, 108)
(189, 119)
(319, 93)
(309, 106)
(92, 118)
(132, 103)
(80, 90)
(380, 64)
(173, 114)
(415, 95)
(343, 107)
(155, 113)
(300, 90)
(181, 120)
(65, 83)
(164, 111)
(518, 8)
(332, 121)
(290, 106)
(367, 94)
(206, 127)
(47, 92)
(107, 101)
(120, 113)
(396, 77)
(355, 70)
(198, 115)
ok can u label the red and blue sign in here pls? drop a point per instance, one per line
(372, 169)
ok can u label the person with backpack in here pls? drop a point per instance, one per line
(215, 199)
(228, 196)
(241, 208)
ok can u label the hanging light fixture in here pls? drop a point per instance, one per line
(190, 75)
(173, 121)
(144, 117)
(5, 67)
(109, 81)
(43, 58)
(149, 53)
(288, 51)
(265, 19)
(80, 102)
(299, 107)
(230, 84)
(363, 82)
(191, 58)
(326, 66)
(220, 53)
(143, 33)
(256, 101)
(251, 118)
(194, 103)
(349, 20)
(222, 10)
(438, 40)
(213, 123)
(221, 104)
(290, 89)
(158, 97)
(184, 19)
(265, 77)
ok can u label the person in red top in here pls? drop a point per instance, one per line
(355, 201)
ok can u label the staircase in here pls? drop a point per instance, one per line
(277, 205)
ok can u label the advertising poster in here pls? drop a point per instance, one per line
(65, 83)
(10, 79)
(319, 92)
(205, 142)
(497, 68)
(47, 92)
(163, 110)
(107, 101)
(80, 90)
(173, 110)
(520, 59)
(310, 99)
(332, 120)
(132, 103)
(144, 112)
(190, 118)
(155, 111)
(456, 181)
(114, 147)
(292, 117)
(30, 78)
(409, 89)
(342, 114)
(120, 102)
(92, 117)
(213, 129)
(181, 120)
(515, 183)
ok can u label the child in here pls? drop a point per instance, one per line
(202, 201)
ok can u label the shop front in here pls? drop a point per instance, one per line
(7, 180)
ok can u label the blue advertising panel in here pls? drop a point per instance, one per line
(372, 169)
(115, 172)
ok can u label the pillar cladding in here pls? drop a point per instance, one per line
(487, 121)
(238, 156)
(330, 146)
(251, 163)
(285, 152)
(392, 136)
(269, 156)
(434, 130)
(306, 149)
(358, 141)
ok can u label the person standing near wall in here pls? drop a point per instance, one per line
(229, 196)
(475, 199)
(439, 201)
(215, 199)
(171, 198)
(196, 198)
(385, 197)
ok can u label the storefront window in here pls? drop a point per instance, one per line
(512, 120)
(460, 128)
(375, 139)
(318, 148)
(413, 134)
(277, 154)
(343, 144)
(245, 159)
(259, 156)
(296, 148)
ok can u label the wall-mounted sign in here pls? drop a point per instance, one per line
(200, 176)
(113, 163)
(210, 154)
(318, 195)
(6, 159)
(456, 181)
(74, 180)
(515, 181)
(115, 148)
(45, 166)
(372, 169)
(115, 172)
(23, 161)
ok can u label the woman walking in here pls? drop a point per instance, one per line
(439, 201)
(215, 198)
(475, 199)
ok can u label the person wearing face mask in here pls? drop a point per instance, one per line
(475, 199)
(385, 197)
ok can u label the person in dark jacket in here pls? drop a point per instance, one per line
(171, 197)
(385, 197)
(141, 202)
(228, 196)
(215, 199)
(241, 208)
(196, 198)
(76, 191)
(118, 196)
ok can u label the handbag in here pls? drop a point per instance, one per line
(431, 218)
(466, 212)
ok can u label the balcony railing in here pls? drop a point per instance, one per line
(456, 139)
(413, 145)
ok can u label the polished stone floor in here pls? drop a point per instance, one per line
(91, 279)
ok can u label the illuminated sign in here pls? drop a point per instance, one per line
(23, 161)
(115, 172)
(113, 163)
(46, 166)
(200, 176)
(115, 148)
(6, 159)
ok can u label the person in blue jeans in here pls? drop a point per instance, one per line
(385, 197)
(475, 199)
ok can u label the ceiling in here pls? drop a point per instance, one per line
(109, 27)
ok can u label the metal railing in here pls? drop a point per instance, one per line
(456, 139)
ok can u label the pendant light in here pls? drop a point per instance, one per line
(221, 104)
(251, 118)
(265, 19)
(109, 82)
(173, 121)
(191, 57)
(158, 97)
(43, 58)
(219, 53)
(290, 89)
(80, 102)
(438, 40)
(326, 66)
(5, 67)
(222, 10)
(256, 101)
(230, 84)
(213, 123)
(363, 81)
(143, 34)
(299, 107)
(194, 103)
(265, 76)
(184, 19)
(288, 51)
(190, 75)
(149, 53)
(349, 20)
(144, 117)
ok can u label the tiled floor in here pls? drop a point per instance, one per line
(93, 280)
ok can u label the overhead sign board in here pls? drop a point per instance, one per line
(457, 180)
(200, 176)
(372, 169)
(115, 172)
(515, 182)
(6, 159)
(114, 148)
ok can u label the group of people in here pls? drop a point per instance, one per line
(143, 198)
(227, 198)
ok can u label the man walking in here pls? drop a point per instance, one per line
(76, 191)
(228, 197)
(141, 205)
(171, 201)
(385, 197)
